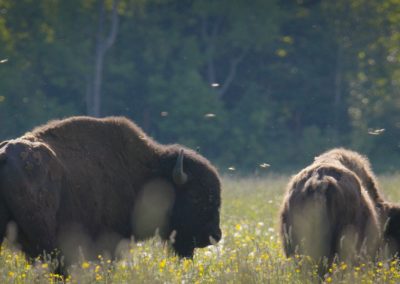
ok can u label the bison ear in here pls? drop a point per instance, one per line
(178, 175)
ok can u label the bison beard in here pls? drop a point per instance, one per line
(84, 181)
(328, 212)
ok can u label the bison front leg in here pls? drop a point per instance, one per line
(4, 219)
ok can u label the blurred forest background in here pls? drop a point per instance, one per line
(246, 82)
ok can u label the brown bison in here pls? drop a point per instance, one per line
(329, 209)
(361, 167)
(82, 181)
(391, 232)
(388, 213)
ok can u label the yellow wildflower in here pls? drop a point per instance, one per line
(201, 270)
(162, 264)
(186, 264)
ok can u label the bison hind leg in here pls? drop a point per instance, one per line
(312, 229)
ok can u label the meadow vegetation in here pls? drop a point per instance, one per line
(250, 251)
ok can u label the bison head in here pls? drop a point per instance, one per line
(392, 229)
(195, 216)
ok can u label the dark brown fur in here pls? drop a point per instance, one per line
(392, 229)
(327, 210)
(79, 180)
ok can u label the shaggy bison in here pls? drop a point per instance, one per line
(329, 209)
(388, 213)
(391, 231)
(83, 181)
(358, 164)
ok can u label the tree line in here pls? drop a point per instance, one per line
(255, 85)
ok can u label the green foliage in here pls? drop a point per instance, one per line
(188, 111)
(284, 79)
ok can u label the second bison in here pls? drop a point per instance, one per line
(329, 209)
(388, 212)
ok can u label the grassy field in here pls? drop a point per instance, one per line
(250, 251)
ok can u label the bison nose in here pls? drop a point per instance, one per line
(216, 236)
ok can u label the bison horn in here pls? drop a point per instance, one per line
(178, 174)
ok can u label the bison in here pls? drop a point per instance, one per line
(388, 212)
(329, 210)
(358, 164)
(391, 232)
(84, 180)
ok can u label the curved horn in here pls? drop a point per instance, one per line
(178, 174)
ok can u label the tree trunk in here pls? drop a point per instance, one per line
(102, 45)
(209, 38)
(231, 74)
(338, 93)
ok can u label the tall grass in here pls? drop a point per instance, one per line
(250, 251)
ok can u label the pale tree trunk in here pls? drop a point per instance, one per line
(209, 35)
(343, 35)
(93, 98)
(338, 87)
(231, 74)
(209, 39)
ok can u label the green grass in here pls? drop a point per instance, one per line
(250, 251)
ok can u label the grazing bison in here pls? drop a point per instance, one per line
(84, 181)
(359, 165)
(391, 232)
(329, 210)
(388, 213)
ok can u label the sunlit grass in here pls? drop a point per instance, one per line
(250, 251)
